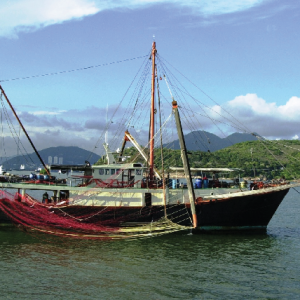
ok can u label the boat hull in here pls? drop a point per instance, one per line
(248, 212)
(239, 213)
(216, 209)
(4, 218)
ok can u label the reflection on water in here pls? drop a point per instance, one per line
(177, 266)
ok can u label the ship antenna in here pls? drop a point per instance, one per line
(106, 132)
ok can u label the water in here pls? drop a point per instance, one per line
(177, 266)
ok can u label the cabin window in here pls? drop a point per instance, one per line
(101, 171)
(138, 172)
(119, 171)
(137, 165)
(107, 171)
(112, 171)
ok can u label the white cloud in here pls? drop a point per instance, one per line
(291, 110)
(26, 15)
(267, 118)
(252, 104)
(51, 128)
(40, 113)
(215, 7)
(85, 129)
(29, 15)
(206, 7)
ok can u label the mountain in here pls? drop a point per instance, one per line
(237, 137)
(53, 155)
(204, 141)
(195, 141)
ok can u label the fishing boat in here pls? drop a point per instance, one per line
(132, 196)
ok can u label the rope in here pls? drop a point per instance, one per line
(114, 113)
(73, 70)
(14, 133)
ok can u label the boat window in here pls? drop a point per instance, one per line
(112, 171)
(138, 172)
(137, 165)
(107, 171)
(119, 171)
(101, 171)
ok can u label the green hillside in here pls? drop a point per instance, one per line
(270, 159)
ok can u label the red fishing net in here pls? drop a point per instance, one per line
(79, 223)
(36, 216)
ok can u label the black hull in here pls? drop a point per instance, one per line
(246, 212)
(4, 218)
(235, 213)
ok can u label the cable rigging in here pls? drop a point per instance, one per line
(72, 70)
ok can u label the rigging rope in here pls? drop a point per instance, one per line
(73, 70)
(241, 124)
(14, 133)
(114, 113)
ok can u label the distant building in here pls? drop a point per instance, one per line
(49, 160)
(60, 161)
(55, 160)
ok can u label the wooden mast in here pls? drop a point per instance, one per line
(185, 161)
(151, 154)
(13, 110)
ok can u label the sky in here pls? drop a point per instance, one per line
(64, 62)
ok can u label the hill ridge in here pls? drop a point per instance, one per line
(71, 155)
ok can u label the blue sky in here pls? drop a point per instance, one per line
(243, 54)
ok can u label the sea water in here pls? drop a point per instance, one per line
(175, 266)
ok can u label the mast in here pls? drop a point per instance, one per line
(161, 148)
(151, 154)
(185, 161)
(13, 110)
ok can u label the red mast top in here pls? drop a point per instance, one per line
(151, 155)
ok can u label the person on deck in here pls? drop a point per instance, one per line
(45, 198)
